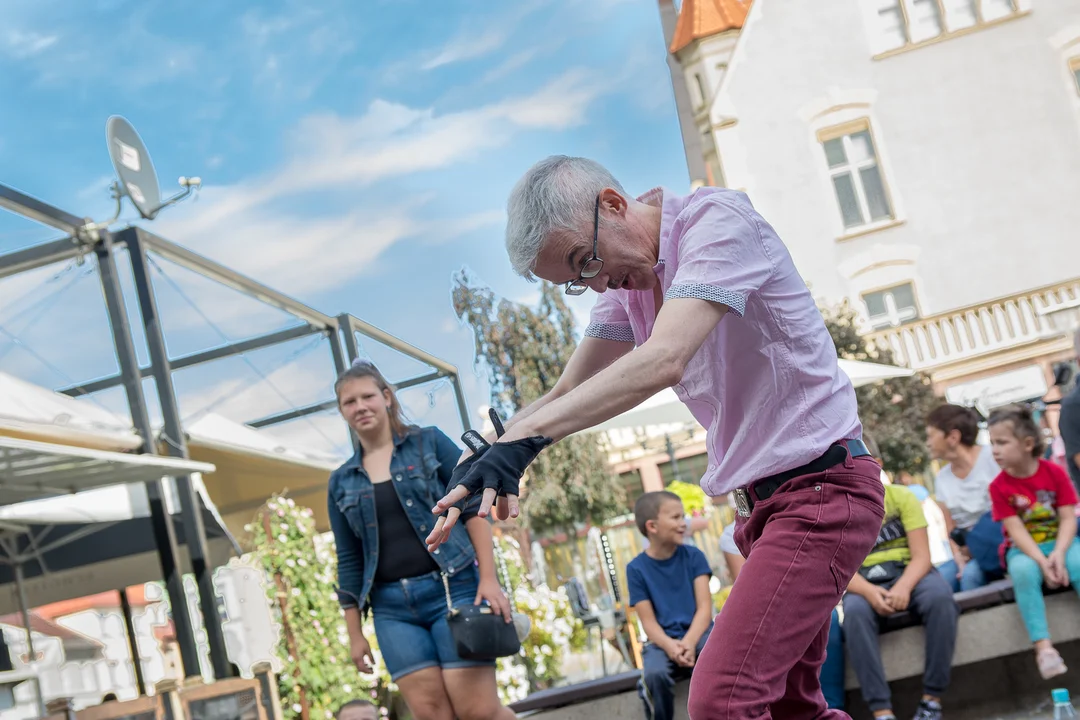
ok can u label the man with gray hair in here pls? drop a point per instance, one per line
(698, 293)
(1069, 423)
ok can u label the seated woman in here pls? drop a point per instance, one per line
(962, 486)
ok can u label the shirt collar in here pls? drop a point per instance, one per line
(656, 198)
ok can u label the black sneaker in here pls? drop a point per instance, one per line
(928, 710)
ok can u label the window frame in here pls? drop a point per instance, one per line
(703, 98)
(1020, 9)
(884, 290)
(842, 131)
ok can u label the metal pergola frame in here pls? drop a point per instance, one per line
(85, 238)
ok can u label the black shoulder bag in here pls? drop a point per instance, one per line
(479, 632)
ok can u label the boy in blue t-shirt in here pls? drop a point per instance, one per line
(669, 589)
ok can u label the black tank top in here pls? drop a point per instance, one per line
(401, 554)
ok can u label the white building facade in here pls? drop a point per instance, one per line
(920, 158)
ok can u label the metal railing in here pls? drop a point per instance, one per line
(976, 330)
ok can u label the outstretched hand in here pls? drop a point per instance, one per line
(495, 470)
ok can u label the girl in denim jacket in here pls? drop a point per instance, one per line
(379, 504)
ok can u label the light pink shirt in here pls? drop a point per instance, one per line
(765, 384)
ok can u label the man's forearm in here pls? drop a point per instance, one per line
(621, 386)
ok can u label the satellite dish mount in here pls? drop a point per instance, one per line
(136, 177)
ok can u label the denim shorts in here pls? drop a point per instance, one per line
(410, 622)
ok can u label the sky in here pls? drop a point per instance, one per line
(353, 156)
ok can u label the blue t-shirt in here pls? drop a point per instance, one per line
(669, 586)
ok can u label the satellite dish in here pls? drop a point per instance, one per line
(133, 166)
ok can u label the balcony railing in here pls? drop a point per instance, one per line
(978, 330)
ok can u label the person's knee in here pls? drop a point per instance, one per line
(857, 611)
(657, 677)
(484, 710)
(1024, 571)
(1072, 563)
(973, 576)
(430, 708)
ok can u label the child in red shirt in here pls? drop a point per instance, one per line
(1035, 502)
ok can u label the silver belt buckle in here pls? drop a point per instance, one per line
(742, 503)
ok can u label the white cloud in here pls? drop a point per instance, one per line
(466, 47)
(514, 62)
(23, 45)
(96, 190)
(247, 226)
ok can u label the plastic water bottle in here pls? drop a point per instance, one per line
(1063, 707)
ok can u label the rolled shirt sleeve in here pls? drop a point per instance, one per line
(608, 320)
(722, 255)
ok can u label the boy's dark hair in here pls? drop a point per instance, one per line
(1023, 425)
(648, 505)
(947, 418)
(353, 703)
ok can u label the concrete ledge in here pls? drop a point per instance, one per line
(994, 632)
(619, 705)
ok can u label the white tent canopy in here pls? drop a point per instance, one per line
(34, 470)
(665, 408)
(32, 412)
(250, 465)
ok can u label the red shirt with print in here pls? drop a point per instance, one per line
(1035, 500)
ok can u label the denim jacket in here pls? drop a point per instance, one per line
(420, 468)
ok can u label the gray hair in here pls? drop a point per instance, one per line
(556, 194)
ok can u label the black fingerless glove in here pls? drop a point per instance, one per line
(501, 466)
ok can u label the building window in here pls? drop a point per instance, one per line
(856, 176)
(891, 307)
(997, 9)
(713, 168)
(925, 20)
(632, 485)
(903, 23)
(1074, 71)
(703, 97)
(691, 469)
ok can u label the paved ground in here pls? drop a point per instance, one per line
(1044, 712)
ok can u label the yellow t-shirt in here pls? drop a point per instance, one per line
(903, 513)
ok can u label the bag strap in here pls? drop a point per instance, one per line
(446, 587)
(502, 574)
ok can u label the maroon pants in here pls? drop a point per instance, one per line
(802, 546)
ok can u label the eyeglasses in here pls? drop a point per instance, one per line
(593, 265)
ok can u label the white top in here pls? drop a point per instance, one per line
(968, 499)
(727, 540)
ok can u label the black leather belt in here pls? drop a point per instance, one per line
(764, 488)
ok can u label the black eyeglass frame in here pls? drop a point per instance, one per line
(594, 264)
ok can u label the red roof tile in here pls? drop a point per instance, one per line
(702, 18)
